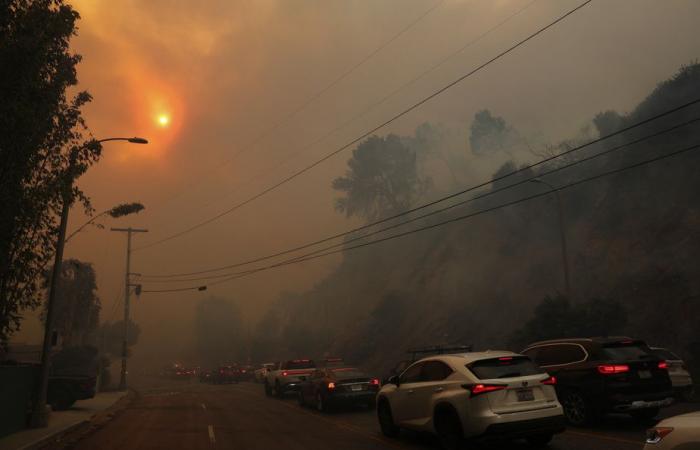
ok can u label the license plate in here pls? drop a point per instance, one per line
(525, 395)
(644, 374)
(356, 387)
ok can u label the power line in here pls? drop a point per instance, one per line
(448, 197)
(305, 104)
(459, 218)
(461, 203)
(382, 100)
(371, 131)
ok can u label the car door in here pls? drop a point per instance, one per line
(432, 383)
(403, 396)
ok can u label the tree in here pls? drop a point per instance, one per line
(381, 180)
(490, 134)
(111, 336)
(39, 128)
(556, 317)
(218, 333)
(77, 307)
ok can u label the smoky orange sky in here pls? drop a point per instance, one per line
(225, 71)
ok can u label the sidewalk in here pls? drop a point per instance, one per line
(60, 421)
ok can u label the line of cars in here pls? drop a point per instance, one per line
(461, 395)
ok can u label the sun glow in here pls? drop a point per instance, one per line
(163, 120)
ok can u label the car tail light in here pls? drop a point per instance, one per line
(285, 373)
(477, 389)
(331, 386)
(656, 434)
(550, 381)
(610, 369)
(663, 365)
(374, 381)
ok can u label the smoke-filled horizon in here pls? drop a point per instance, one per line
(203, 82)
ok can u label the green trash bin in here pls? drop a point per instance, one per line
(16, 386)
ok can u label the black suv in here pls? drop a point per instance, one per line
(604, 374)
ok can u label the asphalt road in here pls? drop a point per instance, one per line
(189, 415)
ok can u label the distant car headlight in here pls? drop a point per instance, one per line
(656, 434)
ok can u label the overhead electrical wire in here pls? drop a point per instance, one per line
(448, 197)
(381, 101)
(305, 104)
(449, 221)
(370, 131)
(461, 203)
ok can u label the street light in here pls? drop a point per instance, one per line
(562, 234)
(117, 211)
(39, 416)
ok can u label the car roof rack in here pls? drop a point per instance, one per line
(438, 350)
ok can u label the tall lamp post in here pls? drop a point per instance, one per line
(562, 234)
(39, 417)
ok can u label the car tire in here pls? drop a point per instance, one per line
(321, 403)
(645, 415)
(577, 409)
(540, 440)
(278, 390)
(268, 389)
(449, 430)
(386, 420)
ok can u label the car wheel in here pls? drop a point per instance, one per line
(268, 390)
(576, 409)
(449, 430)
(386, 420)
(645, 415)
(278, 390)
(540, 440)
(321, 404)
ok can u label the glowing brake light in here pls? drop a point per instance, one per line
(285, 373)
(550, 381)
(331, 386)
(477, 389)
(374, 382)
(663, 365)
(610, 369)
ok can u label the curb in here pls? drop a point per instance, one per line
(56, 436)
(72, 434)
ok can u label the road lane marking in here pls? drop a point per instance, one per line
(204, 406)
(602, 436)
(212, 439)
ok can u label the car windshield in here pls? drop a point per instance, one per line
(504, 367)
(300, 364)
(626, 352)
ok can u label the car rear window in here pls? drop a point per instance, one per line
(300, 364)
(626, 352)
(344, 374)
(504, 367)
(665, 354)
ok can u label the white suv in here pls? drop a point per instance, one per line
(493, 394)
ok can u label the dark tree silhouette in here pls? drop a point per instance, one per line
(382, 179)
(39, 125)
(77, 307)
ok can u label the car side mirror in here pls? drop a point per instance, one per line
(394, 380)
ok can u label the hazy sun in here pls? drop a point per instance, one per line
(163, 120)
